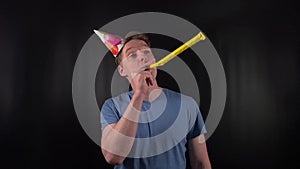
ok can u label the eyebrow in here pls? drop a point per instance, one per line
(133, 47)
(127, 50)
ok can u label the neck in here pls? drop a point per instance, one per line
(154, 92)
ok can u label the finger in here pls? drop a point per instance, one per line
(149, 81)
(149, 78)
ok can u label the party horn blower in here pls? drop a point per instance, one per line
(177, 51)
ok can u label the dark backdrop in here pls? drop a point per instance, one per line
(258, 43)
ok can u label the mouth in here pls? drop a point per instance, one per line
(148, 70)
(145, 68)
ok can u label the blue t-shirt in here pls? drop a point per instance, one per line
(164, 127)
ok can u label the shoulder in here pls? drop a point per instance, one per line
(118, 100)
(185, 99)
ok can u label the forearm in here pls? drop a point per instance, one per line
(201, 166)
(198, 153)
(117, 140)
(197, 164)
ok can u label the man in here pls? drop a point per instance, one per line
(149, 126)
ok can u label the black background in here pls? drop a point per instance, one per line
(258, 43)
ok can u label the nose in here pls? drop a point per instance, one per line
(143, 57)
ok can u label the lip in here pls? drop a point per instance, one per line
(147, 66)
(147, 69)
(144, 68)
(151, 70)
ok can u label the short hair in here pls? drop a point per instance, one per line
(139, 36)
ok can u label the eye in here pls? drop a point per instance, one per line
(147, 52)
(132, 55)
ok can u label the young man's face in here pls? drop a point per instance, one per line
(135, 57)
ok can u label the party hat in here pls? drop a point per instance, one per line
(113, 42)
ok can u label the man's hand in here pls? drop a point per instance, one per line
(141, 84)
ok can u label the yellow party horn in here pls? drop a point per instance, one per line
(177, 51)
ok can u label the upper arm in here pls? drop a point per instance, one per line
(198, 152)
(108, 114)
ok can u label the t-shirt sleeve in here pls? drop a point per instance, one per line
(198, 126)
(108, 114)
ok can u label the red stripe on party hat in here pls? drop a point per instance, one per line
(113, 42)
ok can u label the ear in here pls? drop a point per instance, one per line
(121, 71)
